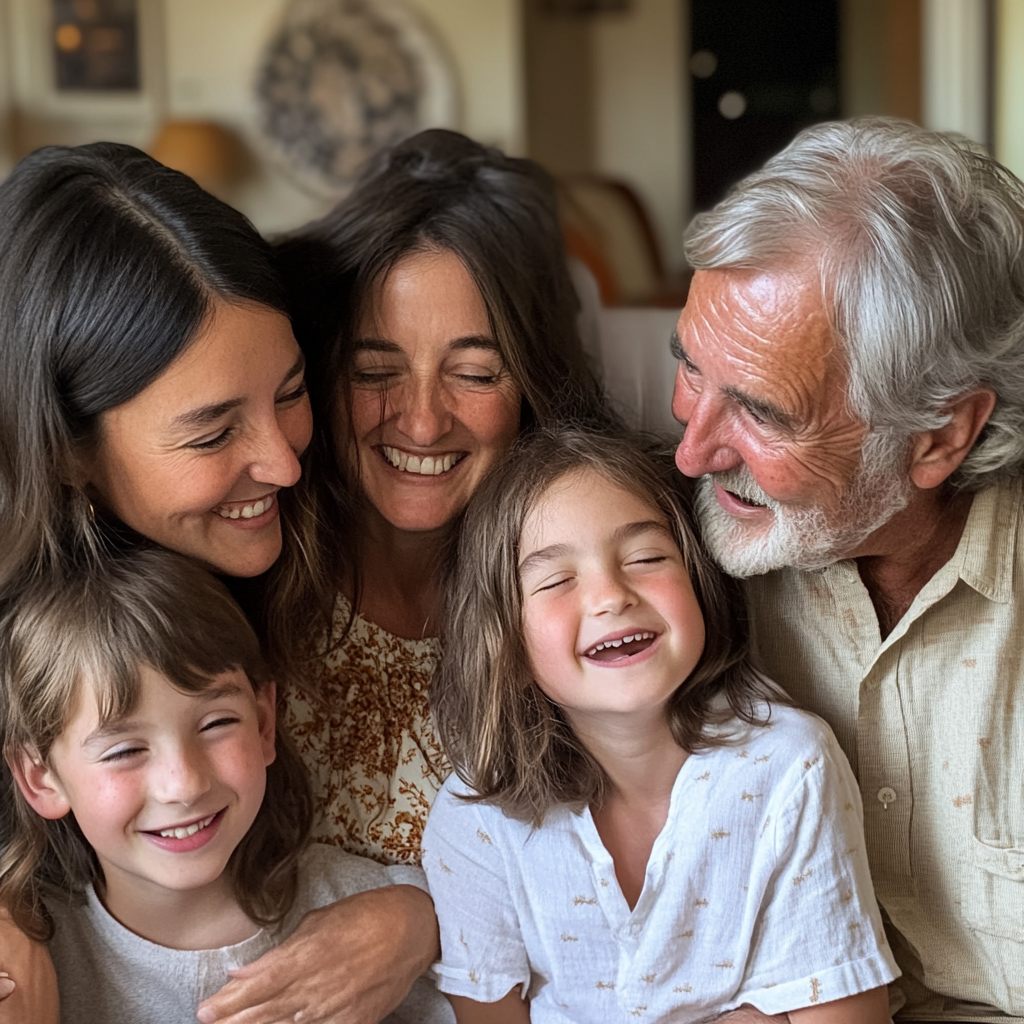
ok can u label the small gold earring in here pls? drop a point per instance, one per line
(90, 512)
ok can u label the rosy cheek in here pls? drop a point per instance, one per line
(297, 425)
(245, 765)
(493, 419)
(369, 409)
(536, 630)
(112, 802)
(775, 468)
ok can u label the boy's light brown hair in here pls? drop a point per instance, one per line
(96, 624)
(505, 738)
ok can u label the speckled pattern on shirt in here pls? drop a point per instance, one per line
(368, 740)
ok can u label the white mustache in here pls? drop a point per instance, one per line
(742, 484)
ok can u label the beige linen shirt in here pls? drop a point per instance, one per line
(932, 720)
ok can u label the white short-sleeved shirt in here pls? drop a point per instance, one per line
(757, 891)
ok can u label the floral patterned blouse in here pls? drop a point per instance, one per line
(368, 740)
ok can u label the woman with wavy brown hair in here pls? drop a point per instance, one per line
(439, 324)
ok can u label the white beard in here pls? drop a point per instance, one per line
(804, 538)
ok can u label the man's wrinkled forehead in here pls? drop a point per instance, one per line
(765, 336)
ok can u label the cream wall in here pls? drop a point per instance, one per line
(1009, 98)
(485, 37)
(642, 110)
(608, 95)
(212, 47)
(5, 91)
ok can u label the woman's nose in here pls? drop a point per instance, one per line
(275, 459)
(423, 410)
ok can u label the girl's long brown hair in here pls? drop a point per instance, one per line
(94, 624)
(505, 738)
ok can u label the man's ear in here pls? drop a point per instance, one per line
(266, 716)
(937, 454)
(39, 785)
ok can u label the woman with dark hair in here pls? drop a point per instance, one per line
(148, 372)
(437, 313)
(151, 386)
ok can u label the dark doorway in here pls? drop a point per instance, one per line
(761, 70)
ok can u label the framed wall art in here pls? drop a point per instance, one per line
(86, 69)
(341, 79)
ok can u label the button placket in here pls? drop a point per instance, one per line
(884, 770)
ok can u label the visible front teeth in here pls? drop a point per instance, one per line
(428, 465)
(190, 830)
(257, 508)
(618, 643)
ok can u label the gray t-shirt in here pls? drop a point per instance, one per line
(109, 975)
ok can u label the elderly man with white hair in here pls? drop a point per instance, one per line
(851, 381)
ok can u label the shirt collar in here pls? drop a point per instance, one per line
(984, 559)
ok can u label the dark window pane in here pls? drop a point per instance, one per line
(96, 44)
(761, 70)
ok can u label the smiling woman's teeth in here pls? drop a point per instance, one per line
(618, 643)
(429, 465)
(257, 508)
(190, 830)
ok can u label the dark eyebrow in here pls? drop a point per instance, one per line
(476, 341)
(630, 530)
(375, 345)
(118, 725)
(541, 555)
(470, 341)
(676, 348)
(625, 532)
(206, 414)
(212, 693)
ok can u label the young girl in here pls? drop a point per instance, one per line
(640, 828)
(152, 826)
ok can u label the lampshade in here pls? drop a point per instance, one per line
(207, 152)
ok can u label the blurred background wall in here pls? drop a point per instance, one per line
(646, 108)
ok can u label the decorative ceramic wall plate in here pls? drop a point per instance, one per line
(341, 79)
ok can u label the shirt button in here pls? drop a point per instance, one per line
(886, 796)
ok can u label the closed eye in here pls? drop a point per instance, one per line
(217, 722)
(375, 377)
(754, 414)
(214, 442)
(551, 584)
(122, 754)
(293, 396)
